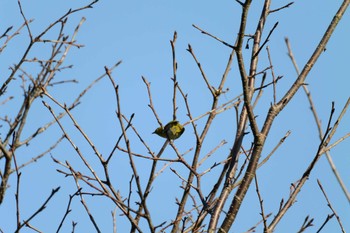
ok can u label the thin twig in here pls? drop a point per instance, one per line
(190, 50)
(40, 209)
(306, 224)
(329, 217)
(327, 137)
(273, 74)
(330, 206)
(261, 203)
(318, 123)
(172, 42)
(212, 36)
(282, 7)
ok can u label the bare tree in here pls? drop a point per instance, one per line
(202, 205)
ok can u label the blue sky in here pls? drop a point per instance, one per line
(138, 33)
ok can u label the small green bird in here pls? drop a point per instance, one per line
(171, 131)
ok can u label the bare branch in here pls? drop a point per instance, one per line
(330, 206)
(212, 36)
(282, 7)
(318, 123)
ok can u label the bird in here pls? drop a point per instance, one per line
(171, 131)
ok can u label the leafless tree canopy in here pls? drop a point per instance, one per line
(214, 183)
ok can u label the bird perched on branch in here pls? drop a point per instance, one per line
(171, 131)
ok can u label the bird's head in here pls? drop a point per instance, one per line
(160, 131)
